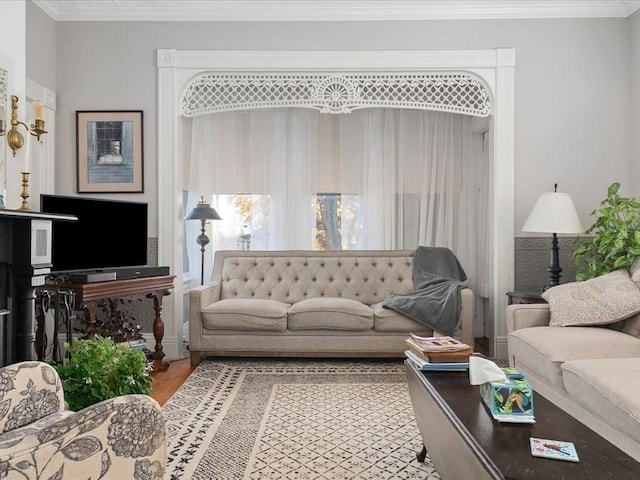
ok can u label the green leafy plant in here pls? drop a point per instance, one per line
(614, 238)
(99, 369)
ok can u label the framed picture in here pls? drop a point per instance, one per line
(109, 151)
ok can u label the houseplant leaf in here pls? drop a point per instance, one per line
(613, 240)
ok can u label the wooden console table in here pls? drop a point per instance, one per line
(90, 295)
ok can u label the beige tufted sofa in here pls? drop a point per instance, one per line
(308, 303)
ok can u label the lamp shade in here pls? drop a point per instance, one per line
(203, 211)
(553, 213)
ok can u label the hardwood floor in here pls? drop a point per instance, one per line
(166, 383)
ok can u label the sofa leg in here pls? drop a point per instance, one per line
(195, 358)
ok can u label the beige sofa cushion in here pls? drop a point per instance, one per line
(330, 313)
(598, 301)
(631, 326)
(387, 320)
(609, 388)
(242, 314)
(543, 350)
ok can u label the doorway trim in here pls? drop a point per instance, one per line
(178, 68)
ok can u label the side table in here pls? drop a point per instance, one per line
(525, 297)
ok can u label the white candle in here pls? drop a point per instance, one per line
(27, 148)
(38, 110)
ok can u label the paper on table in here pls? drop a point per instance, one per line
(482, 370)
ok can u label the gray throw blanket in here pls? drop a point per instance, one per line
(438, 278)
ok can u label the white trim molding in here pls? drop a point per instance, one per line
(493, 69)
(329, 10)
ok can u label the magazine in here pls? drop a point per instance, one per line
(439, 344)
(556, 449)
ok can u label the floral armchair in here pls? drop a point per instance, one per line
(121, 438)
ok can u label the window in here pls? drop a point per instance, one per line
(245, 222)
(338, 223)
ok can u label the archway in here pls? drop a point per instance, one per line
(335, 81)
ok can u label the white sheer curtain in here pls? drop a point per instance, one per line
(420, 174)
(409, 177)
(264, 152)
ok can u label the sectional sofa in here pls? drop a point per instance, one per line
(308, 303)
(582, 351)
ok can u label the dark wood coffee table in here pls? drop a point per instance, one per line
(464, 442)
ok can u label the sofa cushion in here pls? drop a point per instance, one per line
(243, 314)
(609, 388)
(634, 270)
(631, 326)
(597, 301)
(330, 313)
(543, 350)
(387, 320)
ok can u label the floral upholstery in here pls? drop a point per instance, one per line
(121, 438)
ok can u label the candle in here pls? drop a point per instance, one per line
(38, 110)
(27, 147)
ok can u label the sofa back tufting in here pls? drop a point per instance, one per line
(290, 276)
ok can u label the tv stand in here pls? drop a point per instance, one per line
(90, 295)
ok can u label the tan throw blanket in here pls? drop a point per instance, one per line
(438, 278)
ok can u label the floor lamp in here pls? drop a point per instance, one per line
(203, 212)
(554, 213)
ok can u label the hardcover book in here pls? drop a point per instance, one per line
(422, 364)
(556, 449)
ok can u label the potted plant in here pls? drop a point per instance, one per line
(98, 369)
(613, 240)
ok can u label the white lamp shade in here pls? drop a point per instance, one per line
(553, 213)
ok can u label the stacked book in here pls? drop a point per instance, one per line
(438, 353)
(139, 343)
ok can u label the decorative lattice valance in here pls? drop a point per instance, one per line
(336, 93)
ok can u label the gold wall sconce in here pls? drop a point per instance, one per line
(15, 139)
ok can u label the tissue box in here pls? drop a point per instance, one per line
(513, 397)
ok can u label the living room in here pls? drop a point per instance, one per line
(575, 98)
(564, 133)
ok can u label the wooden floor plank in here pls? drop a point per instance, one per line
(165, 383)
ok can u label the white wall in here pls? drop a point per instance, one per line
(40, 47)
(571, 86)
(634, 102)
(12, 59)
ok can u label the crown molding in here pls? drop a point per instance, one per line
(329, 10)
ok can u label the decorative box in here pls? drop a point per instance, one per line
(513, 397)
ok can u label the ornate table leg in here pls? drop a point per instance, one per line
(158, 331)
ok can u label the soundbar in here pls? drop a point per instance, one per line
(140, 272)
(92, 277)
(123, 273)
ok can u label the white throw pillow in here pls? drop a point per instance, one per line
(597, 301)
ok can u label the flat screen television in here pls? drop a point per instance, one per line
(108, 233)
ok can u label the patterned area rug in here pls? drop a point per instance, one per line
(294, 419)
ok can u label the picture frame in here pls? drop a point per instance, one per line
(109, 151)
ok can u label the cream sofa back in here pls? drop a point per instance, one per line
(291, 276)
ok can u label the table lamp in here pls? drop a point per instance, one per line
(203, 212)
(554, 213)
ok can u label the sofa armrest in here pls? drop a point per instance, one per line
(29, 391)
(123, 437)
(467, 315)
(527, 315)
(199, 298)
